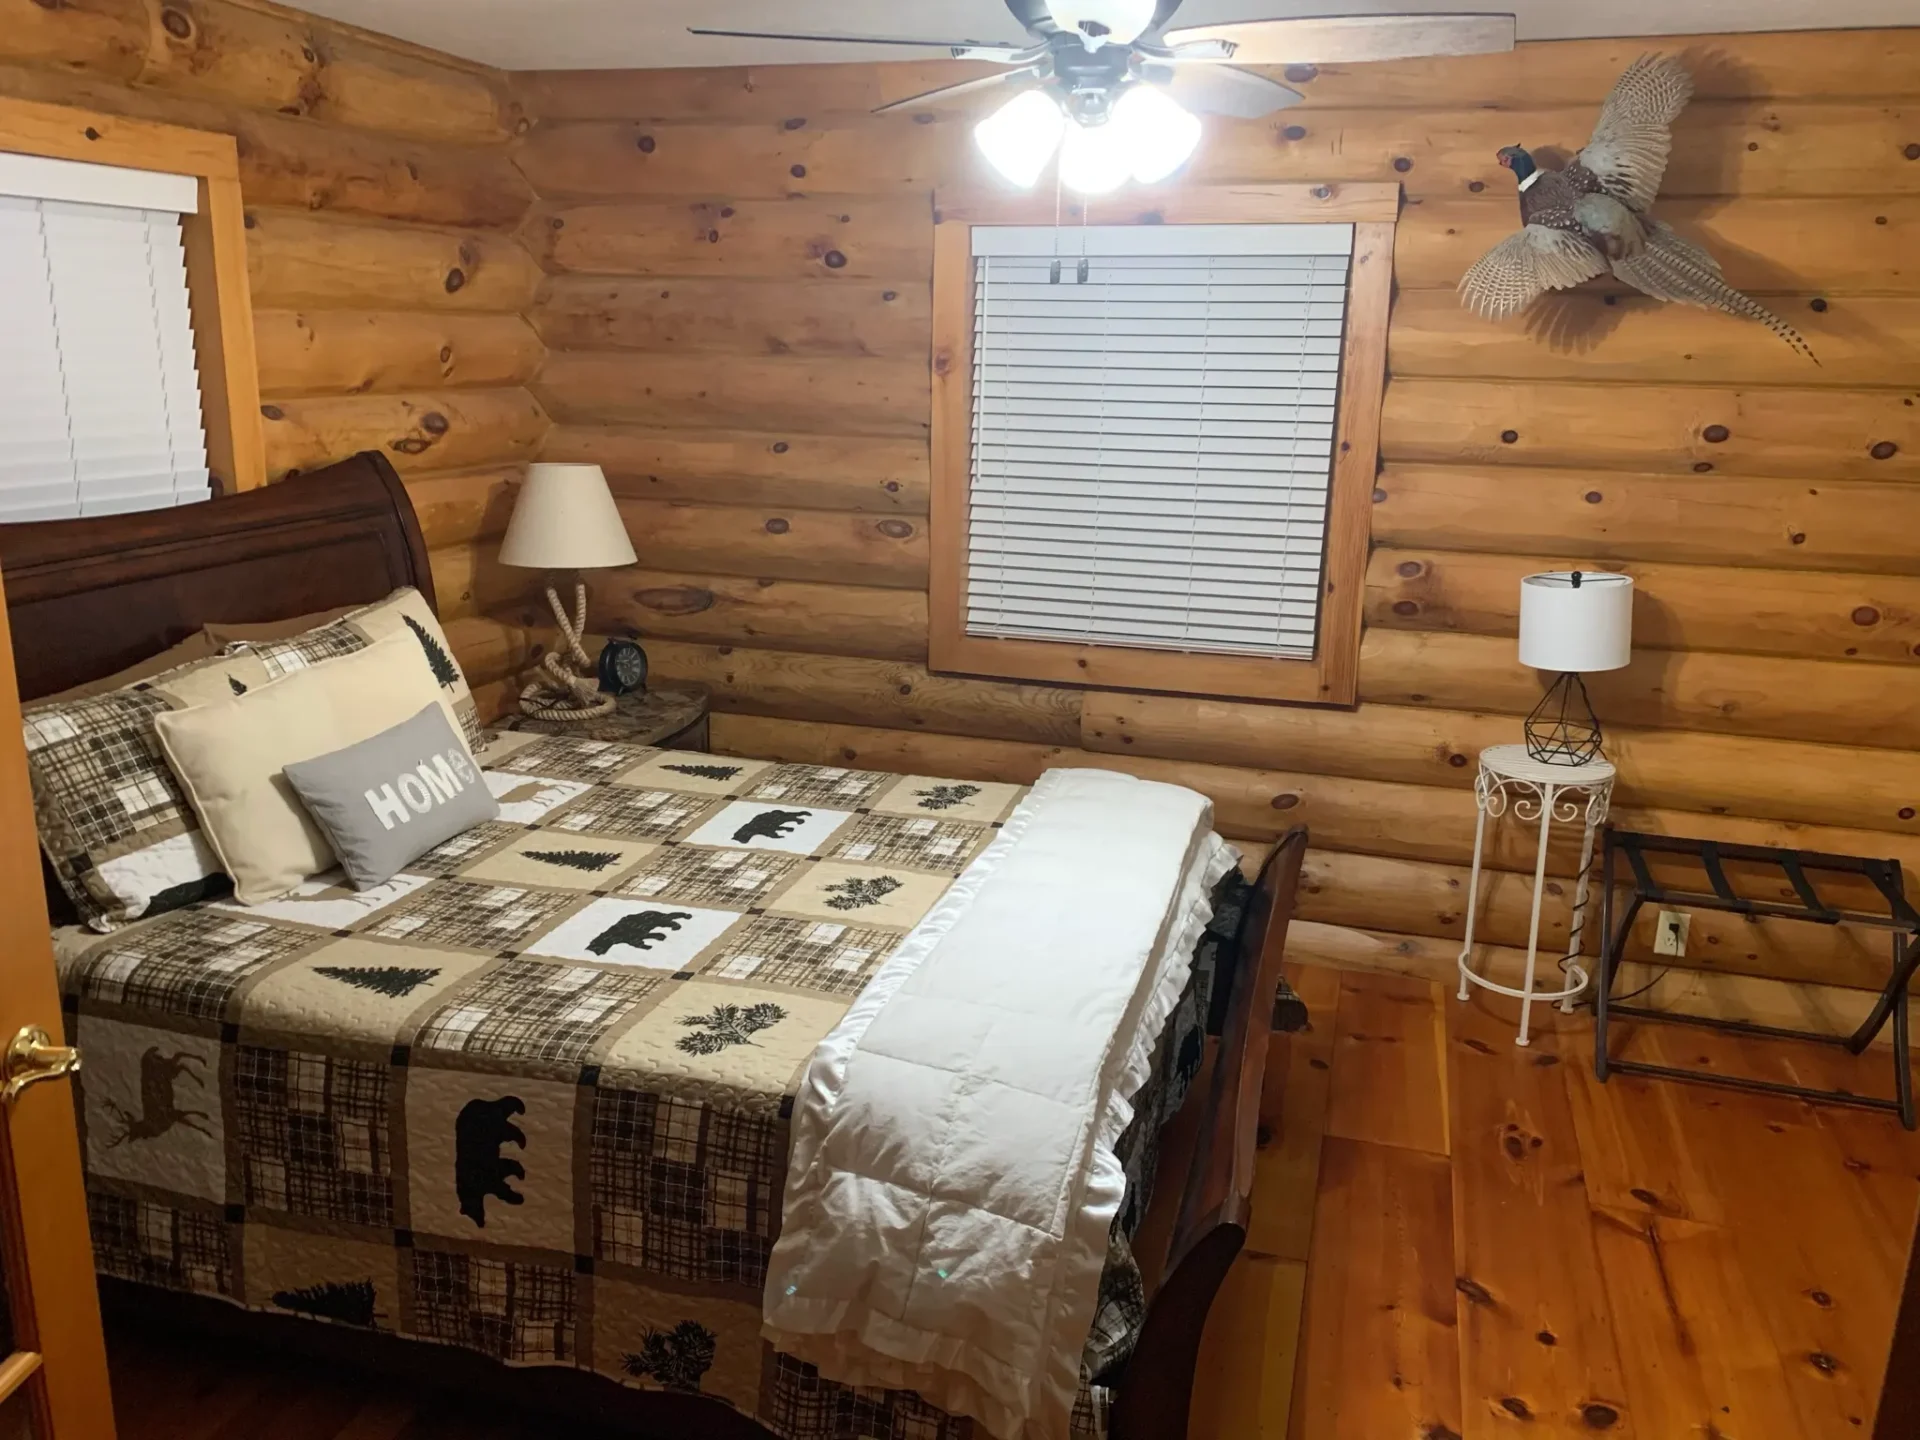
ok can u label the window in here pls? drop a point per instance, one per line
(126, 359)
(1154, 444)
(100, 405)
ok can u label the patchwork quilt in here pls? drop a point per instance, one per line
(530, 1096)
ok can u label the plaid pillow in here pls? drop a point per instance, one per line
(405, 608)
(117, 828)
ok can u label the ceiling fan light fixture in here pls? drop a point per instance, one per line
(1158, 132)
(1103, 22)
(1020, 137)
(1095, 159)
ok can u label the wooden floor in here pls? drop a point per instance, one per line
(1455, 1238)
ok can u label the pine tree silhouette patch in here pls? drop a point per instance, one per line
(860, 892)
(706, 772)
(727, 1025)
(444, 670)
(397, 981)
(235, 686)
(675, 1358)
(945, 797)
(591, 861)
(351, 1302)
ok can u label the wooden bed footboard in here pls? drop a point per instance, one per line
(1156, 1390)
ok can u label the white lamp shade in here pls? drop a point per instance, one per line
(1567, 627)
(565, 519)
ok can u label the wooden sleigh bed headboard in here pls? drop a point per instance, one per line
(89, 597)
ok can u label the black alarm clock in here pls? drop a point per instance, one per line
(623, 668)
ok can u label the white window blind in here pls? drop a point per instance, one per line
(1153, 433)
(99, 393)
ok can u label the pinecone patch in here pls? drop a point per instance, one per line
(725, 1026)
(860, 892)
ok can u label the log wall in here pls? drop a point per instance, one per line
(736, 309)
(389, 281)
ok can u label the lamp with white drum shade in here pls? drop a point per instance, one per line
(565, 519)
(1572, 622)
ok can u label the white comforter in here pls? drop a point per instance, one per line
(953, 1176)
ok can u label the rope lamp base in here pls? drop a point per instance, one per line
(565, 689)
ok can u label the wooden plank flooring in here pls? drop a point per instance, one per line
(1456, 1239)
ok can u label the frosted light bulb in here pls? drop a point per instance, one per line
(1158, 133)
(1095, 159)
(1103, 22)
(1020, 137)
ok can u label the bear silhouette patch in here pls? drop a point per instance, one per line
(639, 931)
(771, 825)
(479, 1169)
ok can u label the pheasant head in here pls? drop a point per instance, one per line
(1516, 159)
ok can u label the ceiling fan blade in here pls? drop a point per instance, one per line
(957, 46)
(954, 92)
(1229, 90)
(1353, 39)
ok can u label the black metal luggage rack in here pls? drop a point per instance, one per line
(1800, 868)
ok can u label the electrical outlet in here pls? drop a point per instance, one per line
(1670, 936)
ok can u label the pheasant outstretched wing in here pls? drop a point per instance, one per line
(1628, 152)
(1536, 258)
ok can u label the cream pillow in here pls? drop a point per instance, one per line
(231, 755)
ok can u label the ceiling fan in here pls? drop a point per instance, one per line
(1109, 86)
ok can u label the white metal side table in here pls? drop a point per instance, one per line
(1550, 794)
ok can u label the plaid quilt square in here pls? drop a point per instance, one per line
(451, 856)
(188, 963)
(534, 1010)
(702, 875)
(100, 758)
(827, 956)
(506, 1309)
(461, 915)
(945, 847)
(314, 1134)
(568, 757)
(630, 814)
(798, 1403)
(683, 1189)
(327, 642)
(156, 1244)
(819, 785)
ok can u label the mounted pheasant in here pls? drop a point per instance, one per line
(1591, 217)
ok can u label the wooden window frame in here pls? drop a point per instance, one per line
(215, 243)
(1332, 676)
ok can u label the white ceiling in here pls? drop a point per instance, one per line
(643, 34)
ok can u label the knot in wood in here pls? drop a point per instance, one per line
(1817, 305)
(1457, 761)
(1301, 74)
(1599, 1417)
(675, 600)
(1866, 615)
(456, 277)
(799, 172)
(1402, 164)
(1701, 467)
(1474, 187)
(177, 23)
(895, 529)
(1284, 802)
(835, 260)
(1410, 568)
(1295, 132)
(645, 144)
(273, 412)
(1912, 152)
(1379, 495)
(1906, 812)
(1509, 437)
(1516, 1407)
(1715, 434)
(1593, 497)
(1884, 450)
(434, 423)
(889, 295)
(1798, 537)
(777, 526)
(780, 447)
(1323, 192)
(1405, 607)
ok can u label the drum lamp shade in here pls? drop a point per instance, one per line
(565, 518)
(1575, 621)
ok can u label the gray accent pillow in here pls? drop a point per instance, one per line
(392, 798)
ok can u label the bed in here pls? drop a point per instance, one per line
(266, 1085)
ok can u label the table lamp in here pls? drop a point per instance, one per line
(565, 519)
(1572, 622)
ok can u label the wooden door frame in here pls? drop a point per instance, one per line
(49, 1249)
(1333, 675)
(215, 242)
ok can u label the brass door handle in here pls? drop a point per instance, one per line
(32, 1057)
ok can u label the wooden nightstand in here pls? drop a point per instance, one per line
(672, 716)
